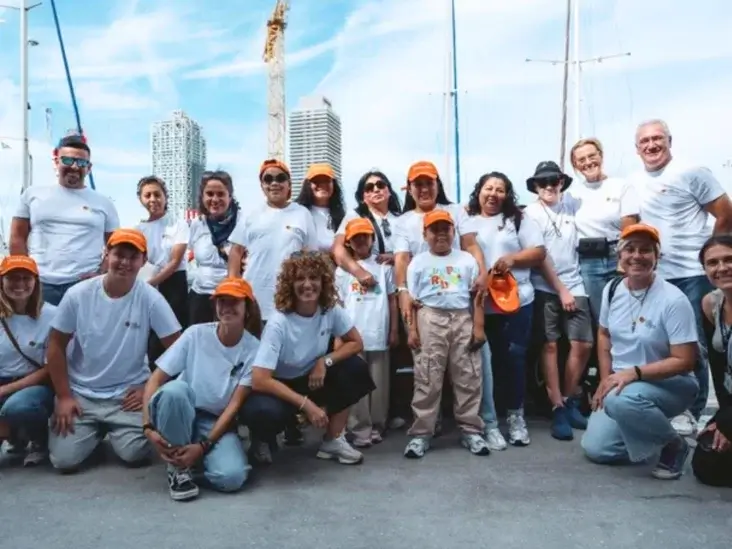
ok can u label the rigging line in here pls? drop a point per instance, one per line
(627, 78)
(590, 93)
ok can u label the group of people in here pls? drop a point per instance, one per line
(298, 314)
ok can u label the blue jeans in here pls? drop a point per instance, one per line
(635, 424)
(596, 273)
(695, 288)
(508, 341)
(27, 411)
(53, 293)
(173, 412)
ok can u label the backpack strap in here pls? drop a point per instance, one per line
(614, 283)
(377, 230)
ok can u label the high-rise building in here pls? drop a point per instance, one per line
(179, 158)
(315, 137)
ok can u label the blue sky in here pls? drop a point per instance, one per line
(383, 64)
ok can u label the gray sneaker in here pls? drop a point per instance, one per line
(495, 440)
(36, 454)
(260, 452)
(416, 448)
(476, 444)
(338, 449)
(518, 434)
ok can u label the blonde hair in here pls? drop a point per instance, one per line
(594, 141)
(32, 308)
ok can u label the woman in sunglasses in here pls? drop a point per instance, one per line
(322, 195)
(270, 235)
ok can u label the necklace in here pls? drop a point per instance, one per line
(639, 297)
(555, 220)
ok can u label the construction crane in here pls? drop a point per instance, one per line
(274, 56)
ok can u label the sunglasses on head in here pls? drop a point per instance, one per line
(370, 187)
(69, 161)
(279, 178)
(304, 253)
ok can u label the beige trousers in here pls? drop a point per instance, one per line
(371, 412)
(444, 338)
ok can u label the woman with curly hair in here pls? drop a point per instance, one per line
(294, 372)
(510, 243)
(322, 195)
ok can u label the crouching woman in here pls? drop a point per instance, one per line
(294, 372)
(190, 420)
(647, 348)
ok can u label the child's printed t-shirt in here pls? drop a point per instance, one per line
(442, 282)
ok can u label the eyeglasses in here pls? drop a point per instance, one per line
(371, 187)
(386, 228)
(236, 369)
(268, 179)
(304, 253)
(69, 161)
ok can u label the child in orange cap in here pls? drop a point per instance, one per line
(445, 336)
(375, 316)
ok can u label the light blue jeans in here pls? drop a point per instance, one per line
(596, 273)
(635, 424)
(173, 412)
(27, 411)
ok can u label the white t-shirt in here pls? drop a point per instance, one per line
(368, 307)
(559, 232)
(665, 318)
(211, 369)
(323, 227)
(32, 337)
(210, 269)
(390, 220)
(409, 229)
(162, 235)
(107, 353)
(67, 230)
(672, 200)
(601, 205)
(270, 236)
(292, 344)
(498, 238)
(442, 281)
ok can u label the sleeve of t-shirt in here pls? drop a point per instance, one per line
(342, 323)
(162, 318)
(679, 321)
(474, 269)
(704, 186)
(400, 238)
(341, 279)
(112, 218)
(464, 223)
(605, 307)
(389, 276)
(173, 360)
(23, 209)
(182, 233)
(529, 233)
(350, 215)
(67, 312)
(413, 277)
(629, 201)
(246, 377)
(273, 336)
(239, 234)
(311, 232)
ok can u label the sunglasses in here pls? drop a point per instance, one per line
(304, 253)
(279, 178)
(236, 369)
(69, 161)
(386, 228)
(371, 187)
(544, 183)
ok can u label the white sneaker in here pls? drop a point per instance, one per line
(476, 444)
(494, 439)
(339, 449)
(417, 447)
(518, 434)
(260, 452)
(685, 424)
(35, 454)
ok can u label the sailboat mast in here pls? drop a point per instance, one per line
(577, 73)
(565, 86)
(454, 93)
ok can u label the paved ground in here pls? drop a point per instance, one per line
(545, 496)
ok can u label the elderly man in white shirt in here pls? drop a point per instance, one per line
(677, 198)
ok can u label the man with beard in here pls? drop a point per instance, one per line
(64, 227)
(99, 381)
(676, 198)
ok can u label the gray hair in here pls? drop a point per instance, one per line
(653, 122)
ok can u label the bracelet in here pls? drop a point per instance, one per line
(206, 445)
(638, 373)
(304, 402)
(148, 427)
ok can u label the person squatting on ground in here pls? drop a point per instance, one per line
(96, 357)
(192, 399)
(647, 350)
(26, 398)
(374, 313)
(445, 336)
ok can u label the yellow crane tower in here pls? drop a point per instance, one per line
(274, 56)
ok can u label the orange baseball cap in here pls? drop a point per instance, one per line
(322, 170)
(504, 292)
(641, 228)
(358, 226)
(133, 237)
(273, 163)
(437, 215)
(237, 288)
(423, 168)
(16, 262)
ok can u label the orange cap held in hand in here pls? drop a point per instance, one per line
(504, 292)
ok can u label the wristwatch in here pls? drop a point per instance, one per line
(328, 361)
(401, 289)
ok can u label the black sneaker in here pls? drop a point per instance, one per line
(181, 485)
(293, 435)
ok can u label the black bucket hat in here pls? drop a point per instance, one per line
(547, 170)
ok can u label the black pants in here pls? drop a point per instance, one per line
(175, 291)
(710, 467)
(345, 384)
(200, 308)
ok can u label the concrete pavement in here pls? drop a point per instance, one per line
(546, 496)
